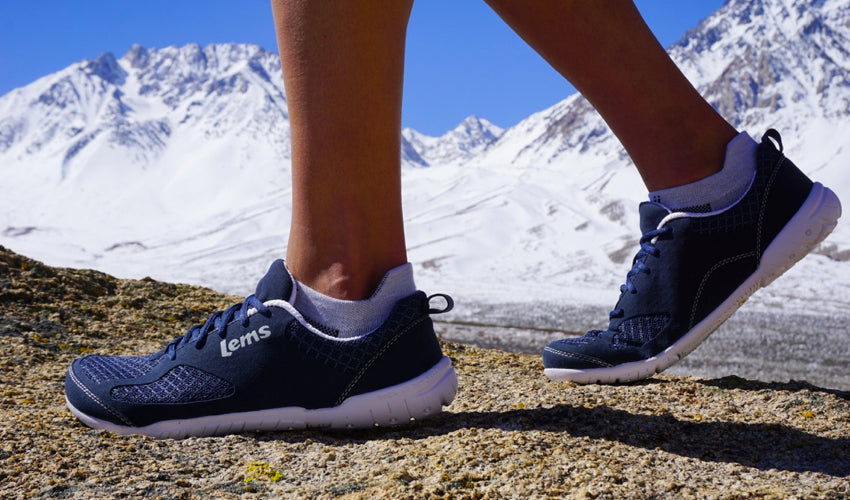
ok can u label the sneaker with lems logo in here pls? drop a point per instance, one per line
(260, 366)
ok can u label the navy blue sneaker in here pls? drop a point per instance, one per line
(695, 269)
(259, 366)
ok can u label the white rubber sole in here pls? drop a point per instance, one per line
(418, 398)
(813, 222)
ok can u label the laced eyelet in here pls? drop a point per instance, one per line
(217, 322)
(647, 249)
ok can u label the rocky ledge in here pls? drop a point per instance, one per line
(509, 433)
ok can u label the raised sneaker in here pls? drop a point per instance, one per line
(695, 269)
(259, 366)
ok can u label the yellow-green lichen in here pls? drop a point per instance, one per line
(256, 470)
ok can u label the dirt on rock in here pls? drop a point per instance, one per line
(510, 433)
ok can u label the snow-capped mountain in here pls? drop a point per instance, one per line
(136, 104)
(171, 162)
(117, 147)
(781, 64)
(455, 147)
(174, 163)
(762, 63)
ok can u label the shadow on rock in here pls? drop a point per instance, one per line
(759, 445)
(733, 382)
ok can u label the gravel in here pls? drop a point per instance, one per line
(510, 432)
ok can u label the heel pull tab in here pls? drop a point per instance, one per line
(450, 304)
(773, 134)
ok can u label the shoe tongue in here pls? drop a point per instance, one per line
(276, 284)
(650, 215)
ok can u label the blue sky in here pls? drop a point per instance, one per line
(461, 58)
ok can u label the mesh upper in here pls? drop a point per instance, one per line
(181, 384)
(696, 209)
(105, 368)
(584, 339)
(640, 330)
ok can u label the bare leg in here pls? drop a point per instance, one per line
(606, 50)
(343, 65)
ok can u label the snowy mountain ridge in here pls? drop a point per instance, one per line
(174, 163)
(457, 146)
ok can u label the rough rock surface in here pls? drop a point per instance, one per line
(509, 433)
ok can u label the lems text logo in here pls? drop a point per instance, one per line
(228, 346)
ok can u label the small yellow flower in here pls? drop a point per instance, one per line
(808, 414)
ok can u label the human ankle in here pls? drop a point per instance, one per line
(340, 281)
(685, 156)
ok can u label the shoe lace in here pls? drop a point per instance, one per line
(217, 321)
(647, 248)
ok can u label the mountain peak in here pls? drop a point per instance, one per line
(752, 57)
(475, 125)
(467, 139)
(107, 68)
(137, 56)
